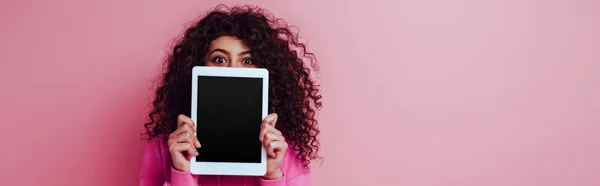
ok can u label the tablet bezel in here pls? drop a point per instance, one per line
(223, 168)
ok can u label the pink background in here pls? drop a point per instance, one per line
(417, 92)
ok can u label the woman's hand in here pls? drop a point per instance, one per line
(183, 143)
(272, 139)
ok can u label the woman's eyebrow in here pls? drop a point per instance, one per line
(244, 52)
(219, 50)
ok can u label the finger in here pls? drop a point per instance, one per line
(183, 119)
(271, 149)
(197, 142)
(191, 151)
(192, 126)
(271, 119)
(270, 136)
(271, 128)
(182, 129)
(267, 128)
(187, 137)
(185, 147)
(274, 148)
(184, 137)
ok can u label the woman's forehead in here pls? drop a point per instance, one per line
(229, 43)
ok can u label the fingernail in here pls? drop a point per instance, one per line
(197, 144)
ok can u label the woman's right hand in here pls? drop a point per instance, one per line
(183, 143)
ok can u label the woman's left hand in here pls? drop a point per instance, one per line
(273, 140)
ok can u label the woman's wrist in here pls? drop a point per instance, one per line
(273, 176)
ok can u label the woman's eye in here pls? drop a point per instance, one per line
(247, 61)
(219, 60)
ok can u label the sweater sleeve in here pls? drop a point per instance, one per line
(153, 171)
(299, 180)
(294, 172)
(179, 178)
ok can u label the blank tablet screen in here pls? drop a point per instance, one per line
(229, 118)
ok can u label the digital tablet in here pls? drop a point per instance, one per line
(228, 106)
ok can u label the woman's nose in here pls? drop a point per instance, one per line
(236, 64)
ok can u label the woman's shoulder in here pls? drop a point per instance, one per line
(155, 160)
(155, 147)
(156, 142)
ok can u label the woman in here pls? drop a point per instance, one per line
(236, 37)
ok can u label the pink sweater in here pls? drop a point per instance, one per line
(157, 170)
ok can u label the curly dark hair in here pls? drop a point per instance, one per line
(293, 94)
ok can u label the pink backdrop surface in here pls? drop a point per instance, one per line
(416, 92)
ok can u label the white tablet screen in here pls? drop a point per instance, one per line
(229, 118)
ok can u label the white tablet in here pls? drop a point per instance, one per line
(228, 106)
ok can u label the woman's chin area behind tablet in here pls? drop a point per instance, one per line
(243, 37)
